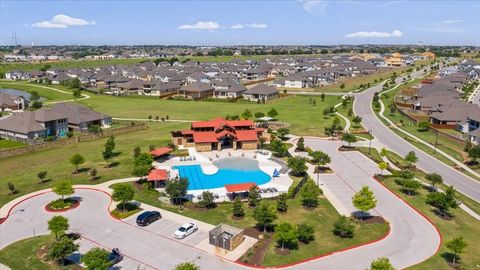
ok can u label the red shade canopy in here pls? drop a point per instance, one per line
(161, 151)
(158, 175)
(239, 187)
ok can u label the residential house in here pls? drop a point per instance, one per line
(197, 90)
(234, 91)
(12, 102)
(159, 88)
(80, 118)
(260, 92)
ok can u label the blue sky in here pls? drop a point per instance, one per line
(226, 22)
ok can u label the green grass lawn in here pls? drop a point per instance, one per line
(6, 144)
(49, 95)
(22, 255)
(22, 170)
(322, 218)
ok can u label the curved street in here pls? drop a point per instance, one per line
(383, 134)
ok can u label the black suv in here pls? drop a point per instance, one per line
(115, 256)
(148, 217)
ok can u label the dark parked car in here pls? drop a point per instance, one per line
(115, 256)
(148, 217)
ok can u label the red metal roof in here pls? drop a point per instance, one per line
(246, 135)
(161, 151)
(205, 137)
(239, 187)
(187, 132)
(218, 122)
(158, 175)
(240, 123)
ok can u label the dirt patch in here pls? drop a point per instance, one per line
(322, 169)
(347, 148)
(252, 232)
(284, 252)
(372, 220)
(237, 218)
(255, 254)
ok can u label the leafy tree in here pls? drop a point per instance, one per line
(405, 174)
(207, 201)
(264, 214)
(12, 188)
(309, 193)
(253, 196)
(123, 193)
(107, 153)
(142, 164)
(237, 207)
(36, 105)
(319, 157)
(34, 96)
(286, 235)
(349, 138)
(58, 225)
(322, 97)
(42, 175)
(357, 120)
(342, 86)
(411, 186)
(457, 246)
(279, 148)
(77, 160)
(443, 201)
(77, 93)
(93, 174)
(177, 189)
(423, 126)
(364, 200)
(383, 152)
(326, 113)
(247, 114)
(187, 266)
(63, 188)
(381, 264)
(382, 166)
(95, 129)
(61, 249)
(272, 113)
(474, 153)
(282, 205)
(297, 165)
(411, 158)
(305, 233)
(136, 151)
(434, 178)
(97, 259)
(259, 114)
(343, 227)
(301, 144)
(282, 133)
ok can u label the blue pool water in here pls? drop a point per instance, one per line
(235, 170)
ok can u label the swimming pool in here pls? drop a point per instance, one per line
(232, 170)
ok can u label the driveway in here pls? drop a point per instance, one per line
(362, 107)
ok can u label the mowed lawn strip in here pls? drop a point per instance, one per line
(48, 94)
(322, 218)
(22, 170)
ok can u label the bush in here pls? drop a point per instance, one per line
(305, 233)
(207, 201)
(343, 227)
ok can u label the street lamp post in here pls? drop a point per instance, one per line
(436, 141)
(318, 173)
(370, 142)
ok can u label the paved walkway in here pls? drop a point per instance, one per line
(347, 121)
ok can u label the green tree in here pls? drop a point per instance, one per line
(34, 96)
(253, 196)
(382, 166)
(279, 148)
(177, 189)
(457, 246)
(123, 193)
(434, 178)
(63, 188)
(443, 201)
(77, 160)
(77, 93)
(474, 153)
(301, 144)
(36, 105)
(322, 96)
(349, 138)
(282, 205)
(364, 200)
(411, 158)
(319, 157)
(58, 225)
(381, 264)
(326, 113)
(95, 129)
(142, 164)
(272, 113)
(297, 165)
(342, 86)
(423, 126)
(97, 259)
(11, 188)
(305, 233)
(259, 114)
(187, 266)
(357, 120)
(237, 207)
(93, 174)
(282, 133)
(247, 114)
(343, 227)
(383, 152)
(286, 235)
(264, 214)
(136, 151)
(108, 153)
(411, 186)
(61, 249)
(41, 176)
(309, 193)
(208, 200)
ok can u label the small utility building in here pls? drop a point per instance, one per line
(226, 237)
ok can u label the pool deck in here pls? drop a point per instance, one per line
(206, 159)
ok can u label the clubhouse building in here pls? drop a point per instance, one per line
(218, 134)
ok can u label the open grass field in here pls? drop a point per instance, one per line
(322, 218)
(49, 95)
(22, 170)
(6, 144)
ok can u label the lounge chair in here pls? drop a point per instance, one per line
(182, 158)
(216, 196)
(194, 158)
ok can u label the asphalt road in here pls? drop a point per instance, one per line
(362, 107)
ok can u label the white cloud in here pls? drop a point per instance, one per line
(316, 7)
(452, 21)
(250, 25)
(62, 21)
(374, 34)
(200, 26)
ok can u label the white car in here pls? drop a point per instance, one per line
(185, 230)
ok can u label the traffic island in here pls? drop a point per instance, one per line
(62, 205)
